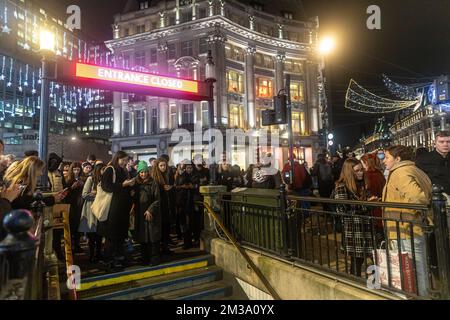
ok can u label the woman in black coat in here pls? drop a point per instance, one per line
(73, 184)
(115, 228)
(147, 222)
(159, 175)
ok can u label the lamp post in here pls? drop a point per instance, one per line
(47, 48)
(210, 76)
(325, 48)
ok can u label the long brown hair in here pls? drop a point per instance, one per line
(372, 161)
(25, 172)
(97, 175)
(71, 176)
(348, 178)
(115, 160)
(160, 178)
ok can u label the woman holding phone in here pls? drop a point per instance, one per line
(73, 186)
(115, 228)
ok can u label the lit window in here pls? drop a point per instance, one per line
(236, 116)
(298, 122)
(297, 92)
(173, 116)
(264, 88)
(235, 82)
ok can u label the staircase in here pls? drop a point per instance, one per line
(195, 278)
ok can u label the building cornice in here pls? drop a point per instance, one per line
(206, 23)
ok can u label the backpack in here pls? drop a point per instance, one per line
(302, 178)
(325, 172)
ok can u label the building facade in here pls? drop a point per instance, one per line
(418, 128)
(81, 113)
(253, 51)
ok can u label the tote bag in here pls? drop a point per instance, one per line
(100, 206)
(407, 269)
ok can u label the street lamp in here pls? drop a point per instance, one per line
(47, 49)
(326, 46)
(210, 75)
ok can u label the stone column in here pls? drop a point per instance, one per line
(211, 197)
(163, 103)
(279, 71)
(217, 41)
(250, 86)
(117, 113)
(312, 98)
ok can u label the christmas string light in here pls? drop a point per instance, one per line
(361, 100)
(5, 28)
(2, 74)
(400, 91)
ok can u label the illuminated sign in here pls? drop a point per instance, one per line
(135, 78)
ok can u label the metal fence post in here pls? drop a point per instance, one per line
(16, 253)
(286, 247)
(442, 240)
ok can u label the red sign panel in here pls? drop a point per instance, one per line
(114, 79)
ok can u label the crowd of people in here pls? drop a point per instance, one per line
(152, 200)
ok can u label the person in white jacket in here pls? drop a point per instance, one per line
(88, 222)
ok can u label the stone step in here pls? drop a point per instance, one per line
(208, 291)
(139, 273)
(155, 285)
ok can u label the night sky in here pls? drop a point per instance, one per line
(413, 45)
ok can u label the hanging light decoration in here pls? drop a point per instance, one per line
(361, 100)
(400, 91)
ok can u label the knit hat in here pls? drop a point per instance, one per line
(85, 164)
(142, 166)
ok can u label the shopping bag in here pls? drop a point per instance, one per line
(407, 268)
(100, 206)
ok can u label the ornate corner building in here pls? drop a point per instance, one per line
(252, 49)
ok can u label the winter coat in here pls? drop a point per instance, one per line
(437, 168)
(147, 197)
(358, 231)
(117, 224)
(88, 222)
(5, 208)
(375, 185)
(56, 181)
(406, 184)
(76, 202)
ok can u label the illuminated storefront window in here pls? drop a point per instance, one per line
(297, 91)
(235, 82)
(264, 88)
(298, 122)
(236, 117)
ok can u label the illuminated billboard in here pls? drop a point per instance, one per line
(115, 79)
(132, 77)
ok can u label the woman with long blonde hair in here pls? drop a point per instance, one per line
(26, 174)
(357, 234)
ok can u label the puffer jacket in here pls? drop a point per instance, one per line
(406, 184)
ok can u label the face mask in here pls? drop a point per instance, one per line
(380, 156)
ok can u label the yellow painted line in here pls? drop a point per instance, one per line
(142, 275)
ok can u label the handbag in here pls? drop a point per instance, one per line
(100, 206)
(407, 268)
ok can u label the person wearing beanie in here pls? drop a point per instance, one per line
(147, 221)
(87, 170)
(142, 166)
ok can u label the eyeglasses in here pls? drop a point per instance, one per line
(359, 170)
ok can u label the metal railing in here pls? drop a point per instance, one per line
(351, 239)
(22, 253)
